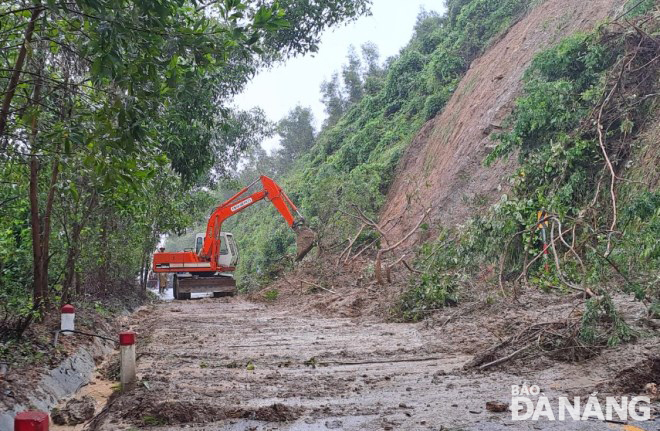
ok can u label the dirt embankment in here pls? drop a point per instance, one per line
(443, 166)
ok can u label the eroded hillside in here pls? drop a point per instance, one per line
(443, 167)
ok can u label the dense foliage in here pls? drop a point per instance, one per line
(576, 130)
(114, 117)
(374, 110)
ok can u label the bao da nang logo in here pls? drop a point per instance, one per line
(528, 403)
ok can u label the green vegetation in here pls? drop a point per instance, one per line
(602, 325)
(271, 294)
(113, 123)
(374, 110)
(153, 421)
(576, 130)
(604, 77)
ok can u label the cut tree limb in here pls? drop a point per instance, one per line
(319, 286)
(506, 358)
(378, 270)
(411, 269)
(348, 248)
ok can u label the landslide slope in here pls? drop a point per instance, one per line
(442, 167)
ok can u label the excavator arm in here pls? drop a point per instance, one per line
(241, 201)
(207, 259)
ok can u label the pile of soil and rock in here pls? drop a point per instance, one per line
(75, 412)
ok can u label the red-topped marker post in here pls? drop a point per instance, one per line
(31, 421)
(68, 317)
(127, 371)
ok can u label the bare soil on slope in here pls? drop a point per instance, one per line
(443, 168)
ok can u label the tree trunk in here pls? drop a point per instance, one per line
(37, 288)
(46, 224)
(78, 281)
(147, 267)
(70, 265)
(105, 247)
(18, 68)
(143, 276)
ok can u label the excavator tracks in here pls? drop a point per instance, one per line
(219, 286)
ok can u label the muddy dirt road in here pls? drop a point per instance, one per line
(230, 364)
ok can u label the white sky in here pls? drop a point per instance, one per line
(298, 80)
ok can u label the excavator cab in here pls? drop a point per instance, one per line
(228, 256)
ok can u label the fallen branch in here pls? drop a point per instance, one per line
(397, 261)
(529, 264)
(391, 265)
(506, 358)
(363, 249)
(369, 222)
(320, 287)
(411, 269)
(601, 142)
(556, 258)
(378, 267)
(348, 248)
(405, 238)
(570, 247)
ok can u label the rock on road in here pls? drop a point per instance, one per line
(230, 364)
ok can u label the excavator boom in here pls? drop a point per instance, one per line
(207, 259)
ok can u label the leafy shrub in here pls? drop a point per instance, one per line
(445, 67)
(602, 325)
(434, 104)
(433, 291)
(403, 77)
(271, 295)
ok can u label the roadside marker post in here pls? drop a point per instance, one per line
(31, 421)
(67, 319)
(543, 224)
(127, 371)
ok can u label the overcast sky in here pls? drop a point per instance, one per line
(298, 80)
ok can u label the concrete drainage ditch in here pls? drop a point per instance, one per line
(74, 373)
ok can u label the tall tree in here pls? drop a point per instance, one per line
(371, 59)
(307, 19)
(373, 73)
(333, 99)
(105, 101)
(296, 132)
(352, 76)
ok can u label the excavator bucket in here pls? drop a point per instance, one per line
(305, 239)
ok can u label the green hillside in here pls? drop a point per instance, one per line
(353, 158)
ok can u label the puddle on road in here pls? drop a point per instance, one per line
(168, 295)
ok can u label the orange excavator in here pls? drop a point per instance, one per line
(208, 267)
